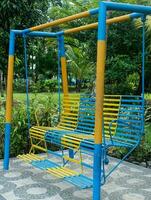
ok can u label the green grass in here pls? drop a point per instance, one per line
(42, 96)
(22, 96)
(148, 96)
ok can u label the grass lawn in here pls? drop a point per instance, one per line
(148, 96)
(42, 96)
(22, 96)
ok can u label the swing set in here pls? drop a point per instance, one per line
(88, 124)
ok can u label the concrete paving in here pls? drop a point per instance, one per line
(24, 182)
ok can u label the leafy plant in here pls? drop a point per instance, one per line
(42, 112)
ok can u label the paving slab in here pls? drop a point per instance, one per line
(24, 182)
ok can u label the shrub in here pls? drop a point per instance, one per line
(41, 85)
(148, 111)
(50, 85)
(143, 152)
(47, 116)
(20, 85)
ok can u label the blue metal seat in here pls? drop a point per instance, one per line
(130, 123)
(123, 127)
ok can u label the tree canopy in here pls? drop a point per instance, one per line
(123, 68)
(19, 15)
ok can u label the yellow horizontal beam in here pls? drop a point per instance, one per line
(95, 25)
(38, 147)
(29, 157)
(72, 160)
(64, 127)
(70, 118)
(111, 100)
(68, 121)
(69, 114)
(60, 21)
(71, 141)
(62, 172)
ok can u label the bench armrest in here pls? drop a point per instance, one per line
(118, 121)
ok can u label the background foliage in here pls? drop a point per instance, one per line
(123, 68)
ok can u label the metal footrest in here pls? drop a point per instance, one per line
(29, 157)
(80, 181)
(54, 169)
(62, 172)
(44, 164)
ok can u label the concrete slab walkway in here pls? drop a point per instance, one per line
(23, 182)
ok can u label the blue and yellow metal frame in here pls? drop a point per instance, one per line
(9, 99)
(109, 22)
(101, 55)
(64, 73)
(110, 6)
(128, 7)
(63, 64)
(98, 134)
(63, 20)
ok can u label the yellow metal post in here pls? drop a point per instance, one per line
(9, 96)
(64, 75)
(63, 64)
(101, 55)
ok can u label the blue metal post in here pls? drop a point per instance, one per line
(97, 172)
(7, 146)
(143, 70)
(27, 82)
(143, 56)
(59, 75)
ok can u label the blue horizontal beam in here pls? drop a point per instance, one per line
(128, 7)
(135, 15)
(35, 33)
(41, 34)
(94, 11)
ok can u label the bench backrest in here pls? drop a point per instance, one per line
(69, 112)
(123, 116)
(86, 117)
(130, 120)
(110, 112)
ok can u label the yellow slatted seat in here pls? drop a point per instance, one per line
(84, 132)
(68, 121)
(86, 122)
(62, 172)
(29, 157)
